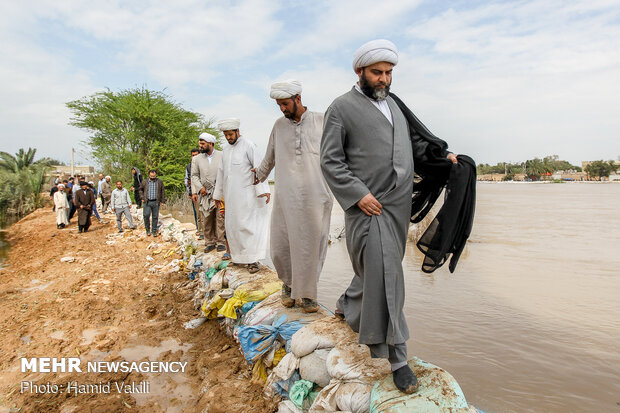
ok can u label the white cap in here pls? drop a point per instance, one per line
(229, 124)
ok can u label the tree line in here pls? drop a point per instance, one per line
(532, 168)
(139, 128)
(21, 182)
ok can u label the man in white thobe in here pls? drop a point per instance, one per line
(247, 215)
(302, 201)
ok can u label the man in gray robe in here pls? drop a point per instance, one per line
(366, 157)
(204, 168)
(303, 204)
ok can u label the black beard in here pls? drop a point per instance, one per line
(292, 114)
(203, 150)
(373, 92)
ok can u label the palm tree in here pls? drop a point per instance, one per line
(21, 160)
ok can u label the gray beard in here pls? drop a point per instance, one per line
(372, 92)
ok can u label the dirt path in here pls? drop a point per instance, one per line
(107, 306)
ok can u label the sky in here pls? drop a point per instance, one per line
(499, 81)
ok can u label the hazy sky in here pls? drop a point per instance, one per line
(505, 80)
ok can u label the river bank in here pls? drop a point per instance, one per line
(106, 306)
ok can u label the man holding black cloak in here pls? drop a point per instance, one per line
(367, 160)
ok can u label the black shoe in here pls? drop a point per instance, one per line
(339, 314)
(405, 380)
(221, 247)
(209, 248)
(120, 230)
(308, 305)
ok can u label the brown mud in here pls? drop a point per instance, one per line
(106, 305)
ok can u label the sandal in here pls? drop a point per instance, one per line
(226, 257)
(253, 268)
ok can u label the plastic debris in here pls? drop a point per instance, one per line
(194, 323)
(67, 259)
(247, 293)
(299, 392)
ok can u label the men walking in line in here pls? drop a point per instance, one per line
(154, 195)
(84, 200)
(303, 203)
(195, 205)
(367, 160)
(203, 172)
(106, 194)
(247, 215)
(121, 204)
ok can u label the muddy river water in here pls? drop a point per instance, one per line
(530, 320)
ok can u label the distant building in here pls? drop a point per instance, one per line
(65, 171)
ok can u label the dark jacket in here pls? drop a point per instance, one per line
(161, 193)
(448, 232)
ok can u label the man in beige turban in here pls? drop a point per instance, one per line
(302, 205)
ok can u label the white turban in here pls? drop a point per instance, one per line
(207, 137)
(108, 177)
(229, 124)
(285, 89)
(61, 186)
(374, 51)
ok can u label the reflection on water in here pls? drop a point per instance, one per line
(530, 320)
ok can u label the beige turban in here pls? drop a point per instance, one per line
(285, 89)
(204, 136)
(229, 124)
(374, 51)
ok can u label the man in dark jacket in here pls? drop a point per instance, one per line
(84, 201)
(137, 182)
(153, 196)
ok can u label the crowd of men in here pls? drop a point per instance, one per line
(361, 150)
(70, 197)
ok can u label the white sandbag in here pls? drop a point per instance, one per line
(288, 406)
(324, 333)
(352, 361)
(313, 367)
(283, 371)
(265, 312)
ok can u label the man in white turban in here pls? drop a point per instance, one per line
(302, 205)
(247, 215)
(367, 160)
(203, 170)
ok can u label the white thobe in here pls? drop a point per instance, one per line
(62, 205)
(302, 202)
(247, 216)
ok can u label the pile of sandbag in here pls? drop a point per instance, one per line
(311, 361)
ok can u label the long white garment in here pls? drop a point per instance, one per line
(302, 202)
(62, 205)
(247, 216)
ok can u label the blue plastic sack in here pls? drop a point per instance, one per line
(257, 340)
(248, 306)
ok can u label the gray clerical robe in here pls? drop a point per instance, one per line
(361, 153)
(302, 202)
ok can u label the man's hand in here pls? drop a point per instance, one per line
(267, 195)
(194, 197)
(256, 180)
(452, 157)
(203, 191)
(369, 205)
(218, 203)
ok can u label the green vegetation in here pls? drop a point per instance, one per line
(21, 182)
(142, 128)
(533, 168)
(600, 168)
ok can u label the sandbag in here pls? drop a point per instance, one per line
(252, 291)
(257, 340)
(313, 367)
(324, 333)
(438, 392)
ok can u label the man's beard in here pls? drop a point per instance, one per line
(375, 92)
(206, 150)
(291, 115)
